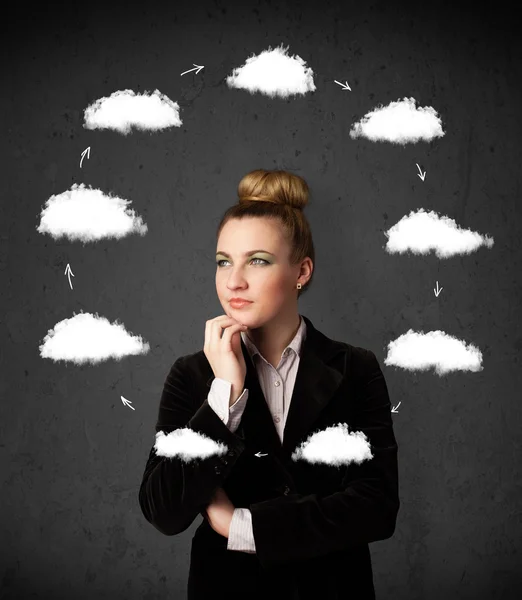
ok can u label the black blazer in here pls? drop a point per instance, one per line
(312, 523)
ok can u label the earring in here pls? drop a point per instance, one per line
(299, 286)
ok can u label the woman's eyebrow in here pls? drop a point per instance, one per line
(245, 253)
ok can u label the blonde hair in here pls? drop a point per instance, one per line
(280, 196)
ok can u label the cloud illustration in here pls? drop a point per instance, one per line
(86, 338)
(88, 214)
(423, 231)
(335, 446)
(418, 351)
(273, 73)
(399, 122)
(187, 444)
(125, 109)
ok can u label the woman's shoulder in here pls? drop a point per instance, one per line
(358, 359)
(356, 352)
(192, 364)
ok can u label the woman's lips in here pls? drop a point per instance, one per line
(239, 304)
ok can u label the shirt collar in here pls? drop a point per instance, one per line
(295, 345)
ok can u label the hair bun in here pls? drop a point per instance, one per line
(268, 199)
(278, 187)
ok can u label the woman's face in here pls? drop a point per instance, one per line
(265, 277)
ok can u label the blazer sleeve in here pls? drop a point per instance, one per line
(297, 527)
(173, 490)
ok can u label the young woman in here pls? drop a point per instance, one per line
(234, 435)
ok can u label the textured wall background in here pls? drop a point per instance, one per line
(72, 455)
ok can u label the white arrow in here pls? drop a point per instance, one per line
(88, 151)
(394, 409)
(343, 85)
(422, 175)
(127, 402)
(198, 67)
(437, 291)
(69, 272)
(258, 454)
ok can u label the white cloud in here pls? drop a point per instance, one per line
(424, 231)
(273, 73)
(88, 214)
(399, 122)
(420, 351)
(335, 446)
(187, 445)
(125, 109)
(86, 338)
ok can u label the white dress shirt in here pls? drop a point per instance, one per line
(277, 384)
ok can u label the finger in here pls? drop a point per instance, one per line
(225, 328)
(214, 327)
(229, 332)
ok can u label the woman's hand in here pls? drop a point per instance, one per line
(223, 351)
(219, 512)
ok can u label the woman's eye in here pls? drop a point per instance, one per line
(223, 260)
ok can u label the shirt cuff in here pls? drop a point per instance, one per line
(218, 399)
(241, 534)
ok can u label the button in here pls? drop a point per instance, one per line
(286, 490)
(277, 419)
(277, 383)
